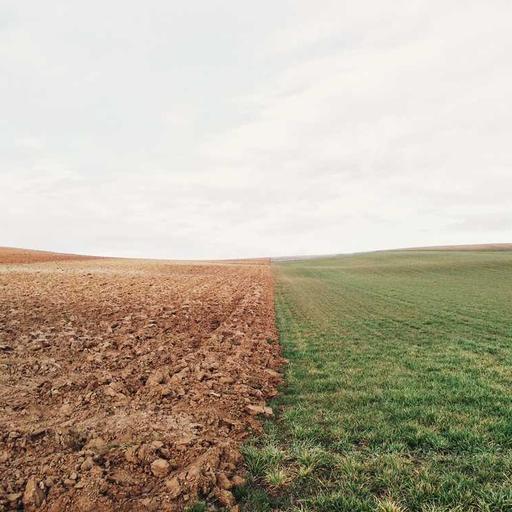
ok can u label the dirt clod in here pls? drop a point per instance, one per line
(259, 409)
(225, 498)
(223, 481)
(160, 467)
(174, 487)
(238, 481)
(33, 496)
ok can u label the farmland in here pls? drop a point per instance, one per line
(398, 386)
(143, 384)
(130, 384)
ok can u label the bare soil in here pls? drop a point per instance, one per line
(13, 255)
(130, 384)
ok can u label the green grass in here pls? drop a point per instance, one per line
(398, 392)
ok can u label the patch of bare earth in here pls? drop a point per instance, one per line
(12, 255)
(129, 385)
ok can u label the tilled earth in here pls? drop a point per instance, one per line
(10, 255)
(130, 384)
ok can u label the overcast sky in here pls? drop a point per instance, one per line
(221, 128)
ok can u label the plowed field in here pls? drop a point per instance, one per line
(11, 255)
(130, 384)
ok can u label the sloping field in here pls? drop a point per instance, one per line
(473, 247)
(12, 255)
(129, 385)
(399, 386)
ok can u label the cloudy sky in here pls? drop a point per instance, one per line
(220, 128)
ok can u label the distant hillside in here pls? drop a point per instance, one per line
(472, 247)
(14, 255)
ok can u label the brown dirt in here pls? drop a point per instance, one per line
(129, 385)
(12, 255)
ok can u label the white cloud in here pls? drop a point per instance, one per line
(209, 130)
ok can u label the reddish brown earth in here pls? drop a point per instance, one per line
(129, 385)
(12, 255)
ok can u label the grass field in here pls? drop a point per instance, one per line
(399, 386)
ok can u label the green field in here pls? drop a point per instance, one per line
(398, 391)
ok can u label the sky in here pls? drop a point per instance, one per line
(225, 129)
